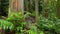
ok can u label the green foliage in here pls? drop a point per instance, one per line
(6, 24)
(50, 7)
(17, 20)
(50, 24)
(33, 30)
(14, 22)
(41, 32)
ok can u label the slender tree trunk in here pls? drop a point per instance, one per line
(22, 6)
(36, 9)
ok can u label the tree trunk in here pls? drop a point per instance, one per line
(36, 9)
(22, 6)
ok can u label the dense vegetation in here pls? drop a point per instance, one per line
(16, 23)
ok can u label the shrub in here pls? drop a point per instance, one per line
(49, 24)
